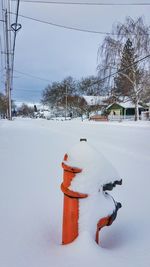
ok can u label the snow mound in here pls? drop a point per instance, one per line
(96, 169)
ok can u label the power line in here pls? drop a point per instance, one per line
(69, 27)
(119, 71)
(61, 26)
(100, 80)
(27, 91)
(32, 76)
(84, 3)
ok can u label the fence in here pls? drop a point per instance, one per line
(121, 118)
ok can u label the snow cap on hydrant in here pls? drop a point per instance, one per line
(86, 173)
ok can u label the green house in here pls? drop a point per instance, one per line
(123, 109)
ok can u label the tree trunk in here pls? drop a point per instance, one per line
(136, 110)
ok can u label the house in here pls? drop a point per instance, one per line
(123, 110)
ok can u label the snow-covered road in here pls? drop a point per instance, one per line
(31, 202)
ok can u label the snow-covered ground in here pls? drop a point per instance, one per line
(31, 202)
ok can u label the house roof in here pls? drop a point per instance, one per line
(127, 104)
(95, 100)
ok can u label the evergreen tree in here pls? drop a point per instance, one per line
(127, 80)
(124, 80)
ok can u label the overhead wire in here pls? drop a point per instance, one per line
(119, 71)
(84, 3)
(62, 26)
(27, 91)
(32, 76)
(69, 27)
(99, 80)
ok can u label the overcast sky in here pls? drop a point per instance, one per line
(53, 53)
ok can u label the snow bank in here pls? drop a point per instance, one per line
(96, 169)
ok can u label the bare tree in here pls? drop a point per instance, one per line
(91, 86)
(3, 105)
(54, 94)
(77, 105)
(26, 111)
(110, 56)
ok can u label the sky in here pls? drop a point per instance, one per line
(53, 53)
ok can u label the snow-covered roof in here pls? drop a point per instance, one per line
(127, 104)
(94, 100)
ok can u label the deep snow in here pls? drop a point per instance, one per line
(31, 202)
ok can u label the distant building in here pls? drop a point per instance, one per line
(95, 100)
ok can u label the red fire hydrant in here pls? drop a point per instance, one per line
(70, 228)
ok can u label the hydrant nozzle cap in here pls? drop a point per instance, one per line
(83, 139)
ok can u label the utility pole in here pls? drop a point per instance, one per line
(8, 70)
(66, 102)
